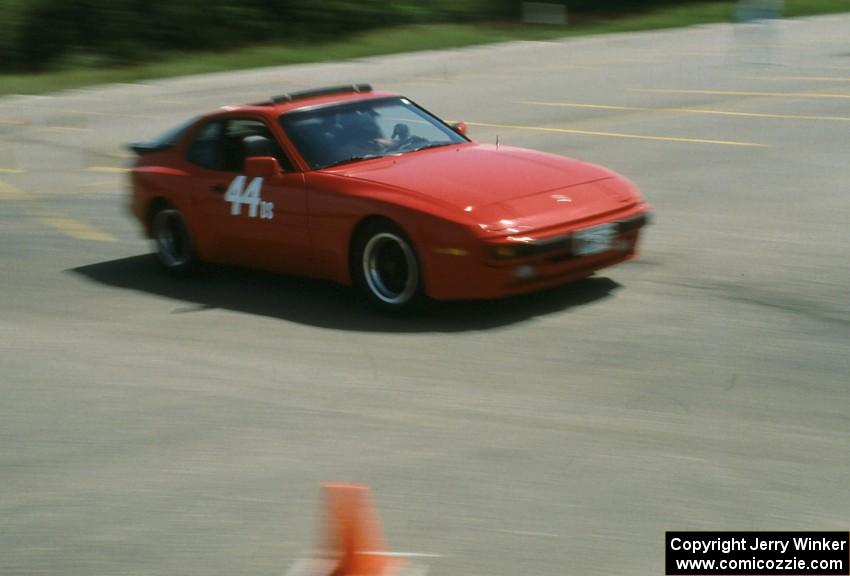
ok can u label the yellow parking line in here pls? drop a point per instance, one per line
(9, 192)
(721, 52)
(65, 225)
(120, 155)
(763, 115)
(619, 135)
(738, 93)
(75, 228)
(572, 105)
(108, 169)
(802, 78)
(62, 129)
(10, 171)
(114, 184)
(696, 111)
(111, 114)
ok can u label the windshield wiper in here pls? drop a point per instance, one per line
(432, 145)
(351, 159)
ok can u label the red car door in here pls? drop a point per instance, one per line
(255, 222)
(268, 221)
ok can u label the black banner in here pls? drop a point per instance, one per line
(757, 553)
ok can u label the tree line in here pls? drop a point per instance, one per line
(36, 34)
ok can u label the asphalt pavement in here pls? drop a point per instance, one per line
(150, 426)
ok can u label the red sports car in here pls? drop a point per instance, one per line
(367, 188)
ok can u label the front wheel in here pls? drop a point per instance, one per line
(174, 247)
(385, 267)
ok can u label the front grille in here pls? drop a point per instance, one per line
(561, 246)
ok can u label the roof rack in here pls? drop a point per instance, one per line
(342, 89)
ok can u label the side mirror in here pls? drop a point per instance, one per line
(261, 167)
(460, 128)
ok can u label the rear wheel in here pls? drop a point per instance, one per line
(385, 267)
(174, 247)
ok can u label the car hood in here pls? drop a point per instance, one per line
(501, 187)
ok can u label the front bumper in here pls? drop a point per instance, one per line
(537, 265)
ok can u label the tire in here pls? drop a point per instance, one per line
(385, 267)
(174, 247)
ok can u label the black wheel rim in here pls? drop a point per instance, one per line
(173, 246)
(390, 268)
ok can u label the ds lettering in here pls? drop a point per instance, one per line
(237, 194)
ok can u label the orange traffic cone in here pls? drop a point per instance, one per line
(353, 533)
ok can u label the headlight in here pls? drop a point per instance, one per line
(502, 252)
(514, 250)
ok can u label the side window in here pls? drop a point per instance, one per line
(220, 145)
(206, 148)
(234, 149)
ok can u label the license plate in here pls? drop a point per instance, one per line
(594, 240)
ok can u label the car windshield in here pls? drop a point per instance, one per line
(340, 134)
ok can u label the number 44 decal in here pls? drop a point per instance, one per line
(237, 194)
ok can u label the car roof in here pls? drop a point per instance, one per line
(291, 101)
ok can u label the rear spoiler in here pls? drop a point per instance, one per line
(149, 147)
(163, 142)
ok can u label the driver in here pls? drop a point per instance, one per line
(400, 137)
(401, 134)
(362, 137)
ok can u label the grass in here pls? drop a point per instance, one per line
(385, 41)
(795, 8)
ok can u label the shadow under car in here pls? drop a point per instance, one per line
(328, 305)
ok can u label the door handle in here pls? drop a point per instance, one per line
(218, 188)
